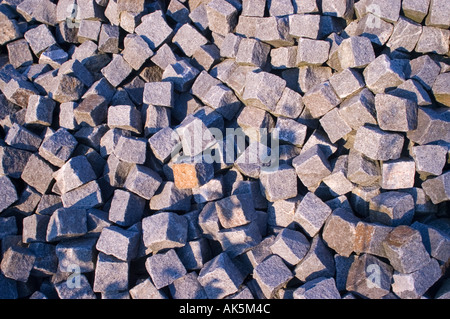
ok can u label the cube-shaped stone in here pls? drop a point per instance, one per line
(92, 111)
(271, 275)
(66, 223)
(378, 144)
(436, 242)
(79, 251)
(321, 99)
(146, 290)
(111, 274)
(278, 184)
(39, 39)
(311, 51)
(334, 125)
(290, 104)
(223, 100)
(441, 89)
(415, 284)
(35, 228)
(437, 188)
(117, 70)
(413, 90)
(339, 231)
(188, 39)
(405, 35)
(220, 277)
(383, 73)
(252, 52)
(195, 137)
(361, 170)
(58, 147)
(355, 52)
(163, 143)
(8, 192)
(136, 51)
(76, 172)
(222, 16)
(187, 287)
(311, 213)
(424, 70)
(395, 113)
(206, 56)
(39, 110)
(347, 82)
(290, 245)
(170, 198)
(429, 159)
(263, 90)
(181, 73)
(312, 166)
(291, 131)
(120, 243)
(131, 149)
(164, 230)
(21, 138)
(108, 39)
(378, 35)
(392, 208)
(143, 181)
(235, 210)
(433, 40)
(405, 250)
(433, 125)
(125, 117)
(337, 181)
(38, 173)
(415, 9)
(71, 290)
(195, 254)
(158, 264)
(370, 277)
(19, 53)
(86, 196)
(319, 288)
(398, 174)
(318, 262)
(17, 263)
(126, 208)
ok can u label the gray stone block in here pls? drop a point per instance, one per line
(319, 288)
(311, 213)
(392, 208)
(126, 208)
(405, 250)
(206, 56)
(79, 251)
(187, 287)
(164, 57)
(398, 174)
(117, 70)
(412, 90)
(220, 277)
(436, 242)
(263, 90)
(318, 262)
(437, 188)
(339, 231)
(178, 12)
(66, 88)
(347, 82)
(39, 39)
(21, 138)
(337, 181)
(34, 228)
(67, 115)
(58, 147)
(222, 16)
(415, 9)
(131, 149)
(433, 125)
(279, 184)
(395, 113)
(212, 190)
(111, 274)
(429, 159)
(188, 39)
(291, 131)
(164, 230)
(76, 172)
(334, 125)
(159, 117)
(311, 51)
(281, 213)
(146, 290)
(154, 36)
(125, 117)
(377, 144)
(355, 52)
(405, 35)
(223, 100)
(142, 181)
(195, 254)
(379, 34)
(437, 14)
(252, 52)
(230, 45)
(158, 265)
(92, 111)
(27, 201)
(66, 223)
(108, 39)
(273, 31)
(84, 291)
(415, 284)
(235, 210)
(170, 198)
(120, 243)
(290, 245)
(38, 173)
(8, 227)
(312, 166)
(308, 6)
(271, 275)
(48, 204)
(17, 263)
(253, 188)
(84, 197)
(290, 104)
(370, 277)
(383, 73)
(441, 90)
(136, 51)
(12, 161)
(19, 53)
(181, 73)
(320, 99)
(54, 56)
(159, 93)
(18, 91)
(89, 30)
(424, 70)
(433, 40)
(238, 240)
